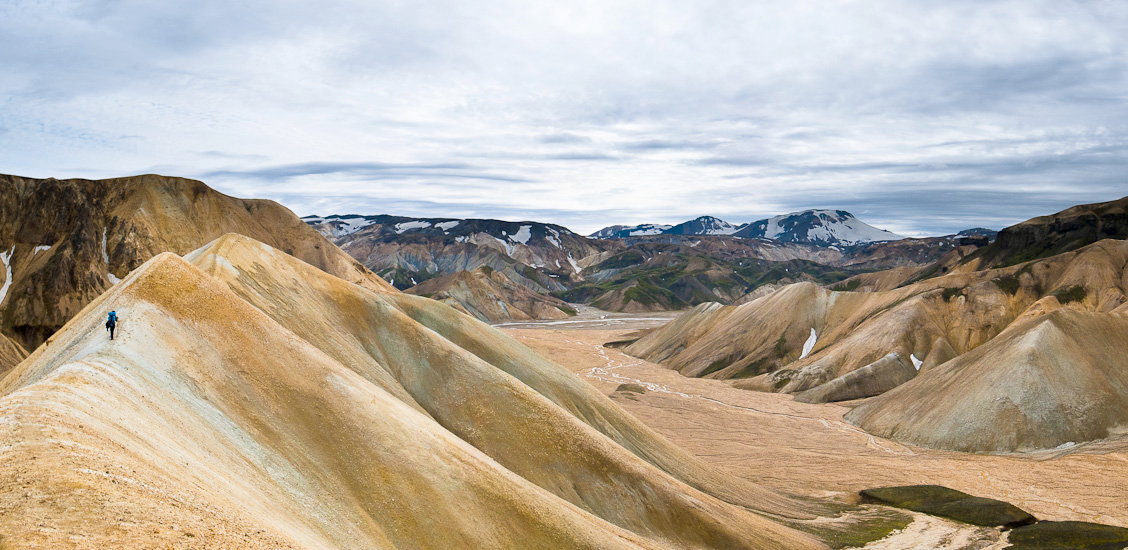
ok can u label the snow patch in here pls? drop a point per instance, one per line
(523, 234)
(6, 259)
(40, 248)
(916, 362)
(105, 253)
(575, 266)
(113, 278)
(400, 228)
(447, 226)
(809, 344)
(509, 247)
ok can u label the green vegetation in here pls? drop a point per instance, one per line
(1075, 293)
(951, 504)
(567, 309)
(950, 293)
(847, 286)
(876, 524)
(626, 259)
(487, 270)
(1008, 284)
(1068, 535)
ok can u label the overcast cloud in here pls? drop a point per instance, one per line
(920, 117)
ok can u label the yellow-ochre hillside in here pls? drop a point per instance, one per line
(253, 400)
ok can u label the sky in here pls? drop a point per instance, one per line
(922, 117)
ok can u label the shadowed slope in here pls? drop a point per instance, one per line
(491, 297)
(208, 424)
(531, 415)
(10, 354)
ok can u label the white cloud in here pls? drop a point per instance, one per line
(909, 114)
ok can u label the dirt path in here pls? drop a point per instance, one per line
(809, 449)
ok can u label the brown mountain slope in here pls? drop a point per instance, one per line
(66, 241)
(1046, 381)
(491, 297)
(949, 315)
(208, 423)
(530, 415)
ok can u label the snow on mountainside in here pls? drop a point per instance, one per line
(825, 227)
(705, 225)
(623, 231)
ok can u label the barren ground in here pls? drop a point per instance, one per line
(810, 450)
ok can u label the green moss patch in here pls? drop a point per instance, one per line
(872, 524)
(1008, 284)
(1068, 535)
(950, 503)
(1074, 293)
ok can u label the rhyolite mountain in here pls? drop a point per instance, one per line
(407, 251)
(64, 242)
(823, 227)
(1007, 357)
(238, 409)
(653, 269)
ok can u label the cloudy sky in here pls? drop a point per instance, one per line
(923, 117)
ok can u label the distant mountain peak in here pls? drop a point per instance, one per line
(818, 226)
(704, 225)
(623, 231)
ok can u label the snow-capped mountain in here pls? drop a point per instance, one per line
(623, 231)
(822, 227)
(407, 250)
(705, 225)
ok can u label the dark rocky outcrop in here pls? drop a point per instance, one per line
(950, 503)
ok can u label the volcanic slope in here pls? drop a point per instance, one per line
(491, 297)
(1047, 381)
(804, 336)
(64, 242)
(207, 423)
(529, 414)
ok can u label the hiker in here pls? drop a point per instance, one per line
(111, 323)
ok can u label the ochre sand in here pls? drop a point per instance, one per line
(808, 449)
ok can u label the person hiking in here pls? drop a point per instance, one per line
(111, 323)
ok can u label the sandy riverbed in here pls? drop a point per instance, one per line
(809, 449)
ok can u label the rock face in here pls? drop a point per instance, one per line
(873, 379)
(1046, 236)
(491, 297)
(238, 409)
(67, 241)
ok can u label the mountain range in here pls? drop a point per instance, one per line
(820, 227)
(640, 268)
(1012, 346)
(281, 395)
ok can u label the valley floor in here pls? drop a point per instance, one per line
(809, 449)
